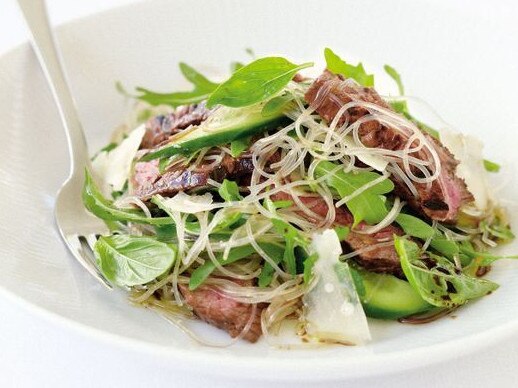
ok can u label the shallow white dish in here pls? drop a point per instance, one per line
(447, 54)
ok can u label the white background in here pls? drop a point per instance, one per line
(37, 352)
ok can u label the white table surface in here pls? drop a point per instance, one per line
(37, 353)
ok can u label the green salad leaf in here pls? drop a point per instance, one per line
(199, 81)
(436, 279)
(483, 258)
(337, 65)
(200, 274)
(275, 251)
(396, 77)
(238, 146)
(229, 191)
(282, 204)
(202, 90)
(309, 263)
(172, 99)
(402, 106)
(131, 260)
(399, 106)
(491, 166)
(415, 227)
(255, 82)
(277, 105)
(294, 240)
(342, 232)
(103, 208)
(369, 205)
(445, 247)
(235, 66)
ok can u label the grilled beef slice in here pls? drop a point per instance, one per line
(382, 259)
(159, 128)
(146, 179)
(213, 307)
(447, 193)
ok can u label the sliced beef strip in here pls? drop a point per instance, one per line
(146, 179)
(447, 193)
(160, 128)
(213, 307)
(382, 259)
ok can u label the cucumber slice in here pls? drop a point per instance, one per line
(388, 297)
(223, 126)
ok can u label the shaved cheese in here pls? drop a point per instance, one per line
(112, 168)
(333, 312)
(190, 204)
(376, 162)
(468, 151)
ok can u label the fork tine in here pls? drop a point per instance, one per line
(91, 239)
(82, 251)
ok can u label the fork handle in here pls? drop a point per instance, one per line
(43, 43)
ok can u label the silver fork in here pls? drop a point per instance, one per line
(77, 227)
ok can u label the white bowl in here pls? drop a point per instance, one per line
(454, 57)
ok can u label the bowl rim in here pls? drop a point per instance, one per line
(289, 369)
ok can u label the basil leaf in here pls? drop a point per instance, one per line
(255, 82)
(436, 279)
(104, 208)
(491, 166)
(415, 227)
(202, 90)
(132, 260)
(229, 191)
(337, 65)
(238, 146)
(369, 205)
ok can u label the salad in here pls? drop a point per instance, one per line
(274, 202)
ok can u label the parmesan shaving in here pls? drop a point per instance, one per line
(112, 168)
(189, 204)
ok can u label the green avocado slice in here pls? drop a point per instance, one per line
(385, 296)
(223, 126)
